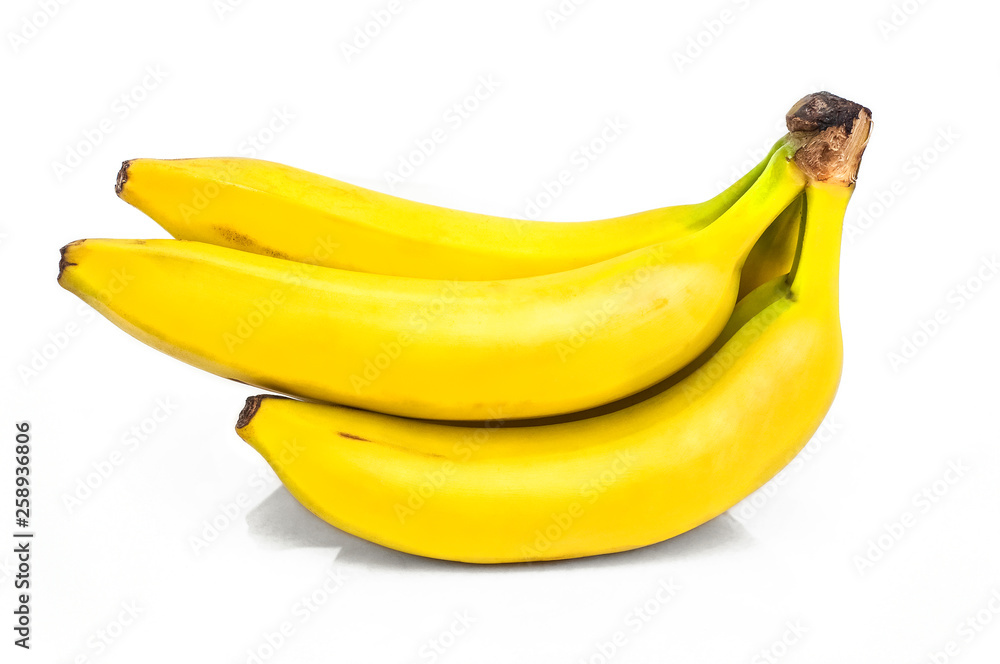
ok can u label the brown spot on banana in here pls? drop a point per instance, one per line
(241, 240)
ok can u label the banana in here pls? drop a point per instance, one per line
(276, 210)
(459, 350)
(611, 482)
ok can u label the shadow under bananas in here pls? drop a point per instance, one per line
(281, 522)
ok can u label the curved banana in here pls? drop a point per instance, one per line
(276, 210)
(459, 350)
(612, 482)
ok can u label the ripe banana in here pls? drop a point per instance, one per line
(280, 211)
(611, 482)
(458, 350)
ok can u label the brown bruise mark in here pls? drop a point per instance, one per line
(247, 243)
(433, 455)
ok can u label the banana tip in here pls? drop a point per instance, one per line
(122, 177)
(250, 409)
(65, 262)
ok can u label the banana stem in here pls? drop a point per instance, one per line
(832, 133)
(725, 200)
(738, 229)
(827, 136)
(816, 276)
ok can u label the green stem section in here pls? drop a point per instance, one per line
(739, 228)
(717, 205)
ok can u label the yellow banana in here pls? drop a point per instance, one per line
(280, 211)
(460, 350)
(611, 482)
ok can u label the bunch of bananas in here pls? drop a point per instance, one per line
(505, 390)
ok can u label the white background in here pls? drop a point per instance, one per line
(792, 575)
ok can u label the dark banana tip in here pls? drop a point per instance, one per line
(63, 261)
(122, 177)
(249, 410)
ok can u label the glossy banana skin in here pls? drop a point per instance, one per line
(458, 350)
(625, 477)
(276, 210)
